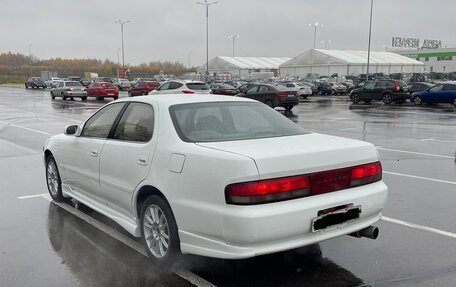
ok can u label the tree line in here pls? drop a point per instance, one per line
(16, 67)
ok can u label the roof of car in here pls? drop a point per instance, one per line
(172, 99)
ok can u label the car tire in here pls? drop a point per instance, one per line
(63, 96)
(417, 100)
(387, 99)
(354, 98)
(83, 99)
(53, 181)
(268, 103)
(26, 86)
(98, 97)
(52, 96)
(159, 232)
(454, 102)
(399, 101)
(333, 92)
(115, 98)
(144, 94)
(288, 107)
(129, 94)
(320, 93)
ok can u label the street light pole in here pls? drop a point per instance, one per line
(207, 4)
(234, 37)
(121, 32)
(118, 57)
(369, 45)
(31, 60)
(315, 25)
(326, 42)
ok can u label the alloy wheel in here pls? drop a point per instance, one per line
(156, 231)
(52, 178)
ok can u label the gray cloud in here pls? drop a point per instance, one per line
(169, 30)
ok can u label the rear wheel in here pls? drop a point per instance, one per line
(268, 102)
(129, 93)
(159, 230)
(52, 95)
(288, 107)
(63, 96)
(417, 100)
(333, 92)
(355, 98)
(83, 98)
(115, 98)
(387, 99)
(26, 86)
(53, 180)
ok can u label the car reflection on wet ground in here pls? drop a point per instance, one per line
(44, 244)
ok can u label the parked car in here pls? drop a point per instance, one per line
(51, 82)
(101, 90)
(122, 84)
(273, 95)
(382, 90)
(324, 88)
(145, 162)
(313, 87)
(74, 79)
(142, 88)
(223, 89)
(303, 90)
(142, 80)
(419, 86)
(35, 83)
(337, 89)
(182, 87)
(440, 93)
(243, 88)
(235, 84)
(69, 89)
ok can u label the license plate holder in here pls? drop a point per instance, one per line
(334, 217)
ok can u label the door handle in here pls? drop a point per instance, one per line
(142, 161)
(94, 153)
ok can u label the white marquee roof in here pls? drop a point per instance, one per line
(326, 57)
(267, 63)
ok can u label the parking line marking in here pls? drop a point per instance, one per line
(181, 272)
(420, 177)
(420, 227)
(435, 140)
(419, 153)
(25, 128)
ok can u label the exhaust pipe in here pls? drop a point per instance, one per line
(368, 232)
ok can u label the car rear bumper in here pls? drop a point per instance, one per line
(401, 96)
(268, 228)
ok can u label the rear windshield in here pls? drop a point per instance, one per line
(107, 85)
(73, 84)
(198, 86)
(230, 121)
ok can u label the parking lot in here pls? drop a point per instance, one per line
(44, 244)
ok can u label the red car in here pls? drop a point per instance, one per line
(142, 88)
(102, 90)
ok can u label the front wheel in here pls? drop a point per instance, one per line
(387, 99)
(53, 180)
(63, 96)
(159, 230)
(52, 95)
(355, 98)
(417, 100)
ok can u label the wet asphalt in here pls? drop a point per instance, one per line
(42, 244)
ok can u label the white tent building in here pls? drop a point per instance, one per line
(243, 67)
(328, 62)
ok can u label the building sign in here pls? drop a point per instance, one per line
(414, 43)
(121, 73)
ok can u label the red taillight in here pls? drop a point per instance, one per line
(366, 174)
(187, 92)
(282, 94)
(396, 86)
(69, 89)
(272, 190)
(268, 190)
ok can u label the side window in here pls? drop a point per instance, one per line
(436, 88)
(252, 90)
(369, 85)
(263, 89)
(165, 86)
(136, 124)
(174, 85)
(60, 85)
(99, 125)
(141, 84)
(449, 88)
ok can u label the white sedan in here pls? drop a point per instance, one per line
(215, 176)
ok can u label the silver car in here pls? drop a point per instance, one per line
(122, 84)
(182, 87)
(303, 90)
(69, 89)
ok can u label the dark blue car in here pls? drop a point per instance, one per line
(440, 93)
(324, 89)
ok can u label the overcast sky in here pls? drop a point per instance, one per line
(171, 29)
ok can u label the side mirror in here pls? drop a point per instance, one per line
(72, 130)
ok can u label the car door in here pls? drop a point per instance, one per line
(126, 156)
(252, 93)
(448, 93)
(367, 91)
(90, 89)
(163, 88)
(82, 156)
(435, 93)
